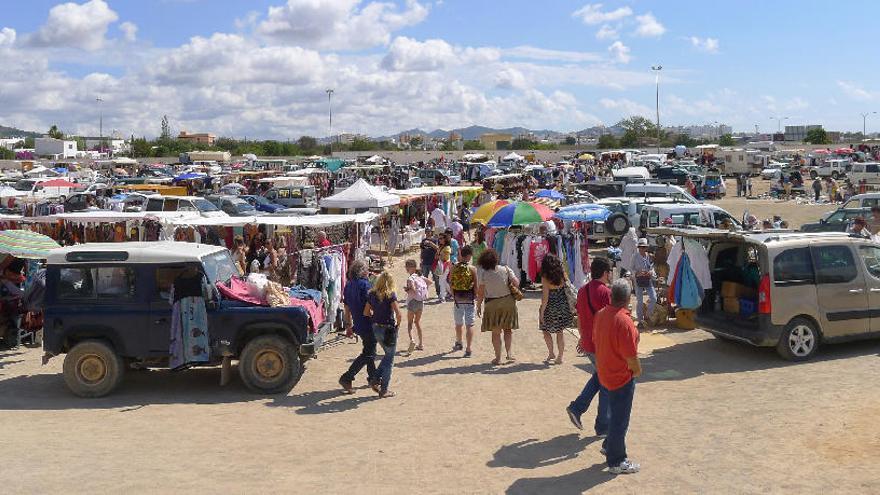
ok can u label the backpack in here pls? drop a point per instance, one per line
(461, 278)
(420, 287)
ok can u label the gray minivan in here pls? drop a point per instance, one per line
(293, 196)
(811, 288)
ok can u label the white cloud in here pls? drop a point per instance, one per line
(535, 53)
(708, 45)
(796, 103)
(607, 32)
(626, 107)
(409, 55)
(72, 25)
(649, 26)
(620, 52)
(129, 31)
(510, 78)
(7, 36)
(591, 14)
(338, 24)
(855, 91)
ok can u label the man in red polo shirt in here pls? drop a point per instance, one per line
(617, 341)
(591, 298)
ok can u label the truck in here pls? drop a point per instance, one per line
(107, 310)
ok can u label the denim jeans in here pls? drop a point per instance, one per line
(580, 405)
(426, 270)
(366, 358)
(620, 406)
(383, 372)
(652, 299)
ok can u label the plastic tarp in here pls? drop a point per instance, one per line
(332, 164)
(361, 194)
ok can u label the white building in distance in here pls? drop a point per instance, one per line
(55, 148)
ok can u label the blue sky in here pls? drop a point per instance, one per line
(259, 68)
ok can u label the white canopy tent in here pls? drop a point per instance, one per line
(513, 157)
(375, 159)
(316, 221)
(361, 194)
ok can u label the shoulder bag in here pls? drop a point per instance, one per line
(514, 290)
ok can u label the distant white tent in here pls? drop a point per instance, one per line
(375, 159)
(513, 157)
(473, 156)
(361, 195)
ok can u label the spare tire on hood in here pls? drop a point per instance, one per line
(617, 224)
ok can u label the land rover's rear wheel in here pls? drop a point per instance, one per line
(835, 175)
(92, 369)
(270, 365)
(799, 340)
(617, 224)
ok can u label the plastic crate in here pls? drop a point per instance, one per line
(747, 307)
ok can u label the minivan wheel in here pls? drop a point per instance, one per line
(92, 369)
(799, 340)
(270, 364)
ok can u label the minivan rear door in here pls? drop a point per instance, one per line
(841, 290)
(870, 256)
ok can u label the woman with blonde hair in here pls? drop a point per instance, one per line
(384, 313)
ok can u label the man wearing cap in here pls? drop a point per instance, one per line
(642, 268)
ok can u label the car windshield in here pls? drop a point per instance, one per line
(243, 207)
(259, 200)
(835, 217)
(205, 205)
(219, 267)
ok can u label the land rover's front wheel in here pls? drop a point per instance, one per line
(92, 369)
(270, 364)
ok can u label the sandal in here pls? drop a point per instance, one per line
(495, 362)
(386, 394)
(420, 348)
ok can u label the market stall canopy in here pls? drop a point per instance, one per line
(39, 169)
(315, 221)
(550, 193)
(189, 176)
(586, 156)
(586, 212)
(513, 157)
(233, 188)
(843, 151)
(375, 159)
(361, 194)
(429, 190)
(60, 183)
(26, 244)
(520, 213)
(473, 156)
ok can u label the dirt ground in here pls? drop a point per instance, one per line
(708, 417)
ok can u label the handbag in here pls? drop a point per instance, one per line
(514, 290)
(571, 295)
(390, 336)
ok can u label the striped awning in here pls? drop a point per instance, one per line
(26, 244)
(548, 202)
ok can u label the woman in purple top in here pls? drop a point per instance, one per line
(385, 316)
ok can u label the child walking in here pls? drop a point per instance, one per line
(416, 292)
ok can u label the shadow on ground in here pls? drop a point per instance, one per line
(712, 356)
(532, 454)
(574, 483)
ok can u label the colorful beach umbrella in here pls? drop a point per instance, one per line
(26, 244)
(486, 210)
(520, 213)
(586, 212)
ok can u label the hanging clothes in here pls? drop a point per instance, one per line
(699, 261)
(189, 322)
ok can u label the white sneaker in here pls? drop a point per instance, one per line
(625, 467)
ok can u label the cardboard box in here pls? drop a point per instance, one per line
(731, 305)
(733, 289)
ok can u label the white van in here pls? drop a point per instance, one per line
(632, 174)
(658, 191)
(183, 203)
(869, 172)
(678, 215)
(293, 196)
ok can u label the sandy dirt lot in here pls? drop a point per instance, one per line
(709, 417)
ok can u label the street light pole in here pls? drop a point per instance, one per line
(778, 123)
(657, 69)
(864, 121)
(330, 112)
(100, 100)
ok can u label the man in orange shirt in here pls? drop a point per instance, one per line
(617, 363)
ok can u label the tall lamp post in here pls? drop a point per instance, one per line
(778, 123)
(657, 69)
(864, 122)
(330, 113)
(100, 100)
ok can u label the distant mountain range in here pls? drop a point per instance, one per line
(13, 132)
(475, 131)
